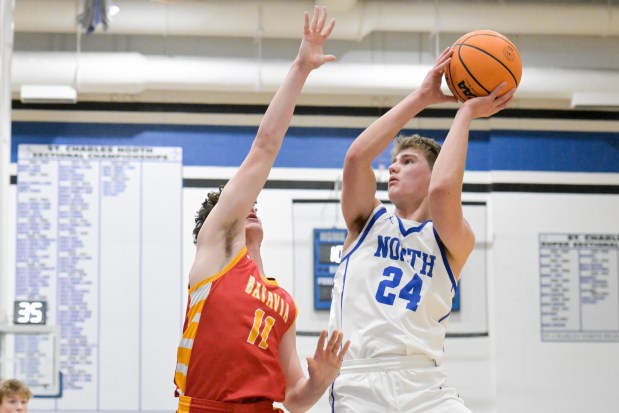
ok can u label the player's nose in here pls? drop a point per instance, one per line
(393, 168)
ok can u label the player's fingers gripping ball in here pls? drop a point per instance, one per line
(481, 60)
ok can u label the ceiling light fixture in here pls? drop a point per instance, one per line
(48, 94)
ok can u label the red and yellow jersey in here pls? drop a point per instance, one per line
(234, 323)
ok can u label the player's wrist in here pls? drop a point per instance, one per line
(302, 65)
(465, 114)
(422, 97)
(316, 388)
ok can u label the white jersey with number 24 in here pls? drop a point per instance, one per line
(393, 290)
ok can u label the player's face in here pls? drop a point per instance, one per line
(14, 403)
(253, 226)
(409, 176)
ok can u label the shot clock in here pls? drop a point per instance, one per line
(30, 312)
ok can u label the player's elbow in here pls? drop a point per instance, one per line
(356, 155)
(351, 159)
(267, 142)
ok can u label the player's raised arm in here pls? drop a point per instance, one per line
(359, 181)
(224, 227)
(445, 192)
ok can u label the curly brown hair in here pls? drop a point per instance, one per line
(207, 206)
(428, 146)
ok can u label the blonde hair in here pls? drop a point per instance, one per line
(428, 146)
(13, 387)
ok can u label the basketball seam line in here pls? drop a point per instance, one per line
(488, 54)
(491, 35)
(469, 72)
(453, 87)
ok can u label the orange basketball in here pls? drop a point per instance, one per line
(481, 60)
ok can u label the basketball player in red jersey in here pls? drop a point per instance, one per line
(238, 350)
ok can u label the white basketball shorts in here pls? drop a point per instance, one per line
(411, 384)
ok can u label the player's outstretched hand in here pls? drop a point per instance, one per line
(485, 106)
(430, 87)
(315, 33)
(324, 367)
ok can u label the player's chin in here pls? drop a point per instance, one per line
(253, 228)
(396, 195)
(392, 189)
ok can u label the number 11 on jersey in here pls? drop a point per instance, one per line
(255, 329)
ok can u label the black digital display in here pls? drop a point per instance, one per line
(324, 293)
(330, 253)
(30, 312)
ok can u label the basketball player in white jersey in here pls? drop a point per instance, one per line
(394, 287)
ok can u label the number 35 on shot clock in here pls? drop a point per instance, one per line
(30, 312)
